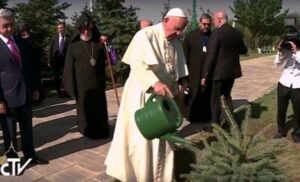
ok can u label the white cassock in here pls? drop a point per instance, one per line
(131, 157)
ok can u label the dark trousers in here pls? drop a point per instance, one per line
(221, 87)
(23, 115)
(57, 72)
(284, 94)
(200, 106)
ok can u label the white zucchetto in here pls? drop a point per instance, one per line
(177, 12)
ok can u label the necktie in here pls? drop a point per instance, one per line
(61, 45)
(14, 50)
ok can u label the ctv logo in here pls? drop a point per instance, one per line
(12, 167)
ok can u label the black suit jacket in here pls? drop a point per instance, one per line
(223, 58)
(193, 50)
(17, 81)
(54, 56)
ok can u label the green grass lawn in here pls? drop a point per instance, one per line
(263, 113)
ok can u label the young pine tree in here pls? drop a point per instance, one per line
(237, 156)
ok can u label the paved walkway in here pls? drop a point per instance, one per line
(76, 158)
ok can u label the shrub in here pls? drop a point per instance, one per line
(238, 156)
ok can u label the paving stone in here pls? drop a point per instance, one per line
(93, 180)
(103, 177)
(95, 164)
(15, 179)
(72, 174)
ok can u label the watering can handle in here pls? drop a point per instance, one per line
(179, 115)
(152, 96)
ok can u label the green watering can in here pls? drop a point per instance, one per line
(160, 118)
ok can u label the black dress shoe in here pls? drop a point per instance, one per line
(12, 155)
(63, 94)
(38, 161)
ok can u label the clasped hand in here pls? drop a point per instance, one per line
(162, 89)
(2, 108)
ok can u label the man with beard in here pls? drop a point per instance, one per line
(84, 78)
(195, 49)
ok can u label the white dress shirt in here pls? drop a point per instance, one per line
(5, 40)
(291, 74)
(61, 38)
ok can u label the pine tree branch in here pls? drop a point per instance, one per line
(258, 136)
(220, 153)
(235, 129)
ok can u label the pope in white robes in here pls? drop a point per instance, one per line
(157, 62)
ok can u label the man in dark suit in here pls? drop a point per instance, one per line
(195, 50)
(56, 56)
(24, 31)
(222, 63)
(17, 86)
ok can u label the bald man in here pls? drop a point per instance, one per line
(222, 63)
(145, 23)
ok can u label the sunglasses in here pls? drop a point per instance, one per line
(206, 24)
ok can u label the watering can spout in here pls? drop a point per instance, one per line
(177, 139)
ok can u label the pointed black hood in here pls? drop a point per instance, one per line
(85, 21)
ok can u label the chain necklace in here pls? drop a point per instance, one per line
(170, 63)
(92, 59)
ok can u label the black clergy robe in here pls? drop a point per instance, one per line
(85, 81)
(199, 104)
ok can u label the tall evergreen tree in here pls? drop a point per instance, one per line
(120, 24)
(42, 17)
(262, 17)
(3, 3)
(75, 17)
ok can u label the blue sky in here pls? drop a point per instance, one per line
(151, 9)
